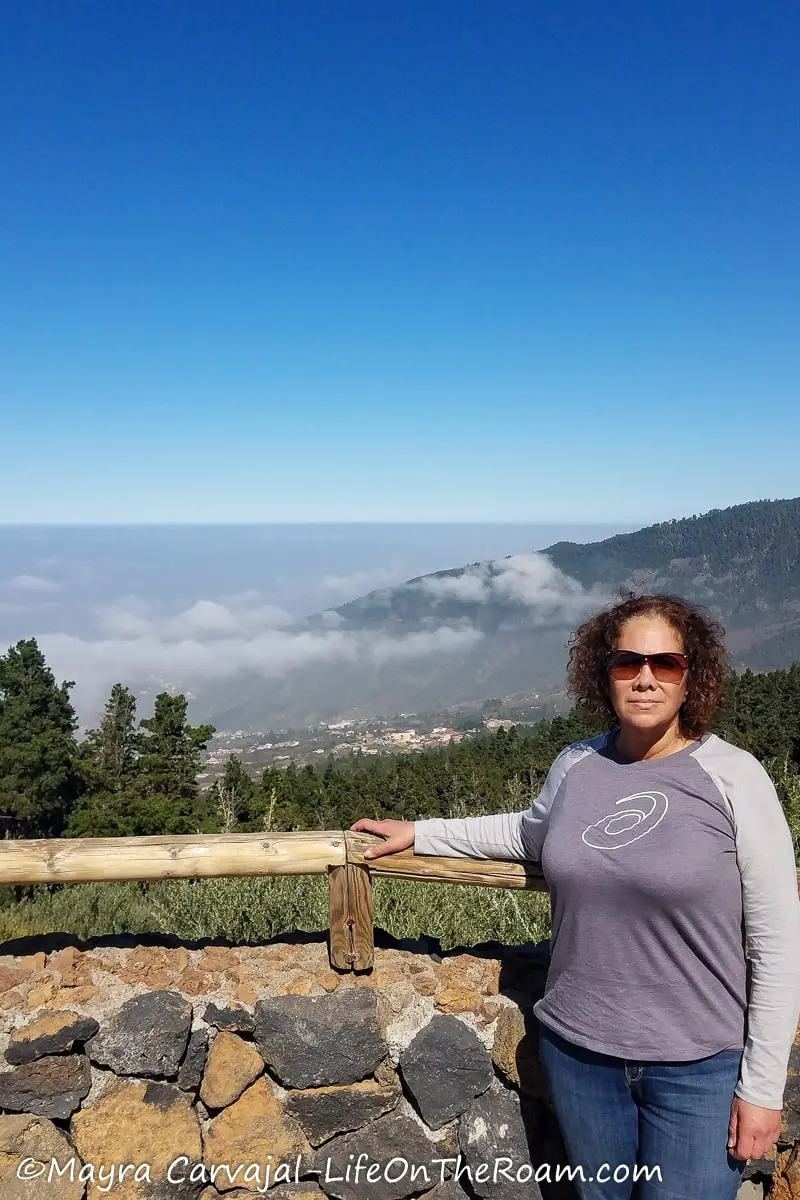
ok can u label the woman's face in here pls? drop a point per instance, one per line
(644, 702)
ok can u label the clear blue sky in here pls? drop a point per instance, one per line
(291, 260)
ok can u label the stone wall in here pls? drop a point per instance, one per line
(162, 1056)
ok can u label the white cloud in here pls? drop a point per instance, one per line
(219, 639)
(448, 638)
(529, 580)
(472, 586)
(95, 665)
(33, 583)
(533, 580)
(205, 620)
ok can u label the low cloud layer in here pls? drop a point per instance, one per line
(528, 580)
(206, 620)
(215, 640)
(191, 662)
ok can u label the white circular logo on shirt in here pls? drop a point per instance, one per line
(626, 825)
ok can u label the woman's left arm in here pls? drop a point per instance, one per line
(771, 907)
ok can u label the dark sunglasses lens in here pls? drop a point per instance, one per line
(667, 668)
(624, 665)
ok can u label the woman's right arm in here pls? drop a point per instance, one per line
(514, 835)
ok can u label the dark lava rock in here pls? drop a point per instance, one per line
(305, 1189)
(50, 1087)
(490, 1133)
(148, 1036)
(163, 1190)
(63, 1036)
(190, 1075)
(323, 1112)
(316, 1041)
(448, 1190)
(759, 1166)
(230, 1019)
(790, 1128)
(395, 1145)
(293, 1191)
(161, 1095)
(444, 1068)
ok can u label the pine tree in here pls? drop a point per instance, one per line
(110, 751)
(39, 776)
(109, 761)
(169, 761)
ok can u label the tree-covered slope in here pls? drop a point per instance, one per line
(743, 561)
(749, 554)
(500, 628)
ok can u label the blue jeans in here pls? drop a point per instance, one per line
(672, 1115)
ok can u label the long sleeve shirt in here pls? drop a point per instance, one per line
(661, 872)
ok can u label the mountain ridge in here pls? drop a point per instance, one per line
(690, 552)
(500, 627)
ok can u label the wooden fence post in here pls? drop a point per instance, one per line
(352, 944)
(339, 951)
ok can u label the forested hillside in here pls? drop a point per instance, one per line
(757, 544)
(500, 628)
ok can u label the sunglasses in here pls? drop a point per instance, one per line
(624, 665)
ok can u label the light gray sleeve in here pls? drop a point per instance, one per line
(771, 917)
(514, 835)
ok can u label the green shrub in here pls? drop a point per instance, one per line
(253, 910)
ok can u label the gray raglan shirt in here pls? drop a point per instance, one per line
(658, 870)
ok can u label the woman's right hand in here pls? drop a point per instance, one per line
(399, 835)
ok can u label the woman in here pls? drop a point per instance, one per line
(663, 847)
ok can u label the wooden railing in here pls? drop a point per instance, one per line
(339, 854)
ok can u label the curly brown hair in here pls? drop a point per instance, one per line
(703, 644)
